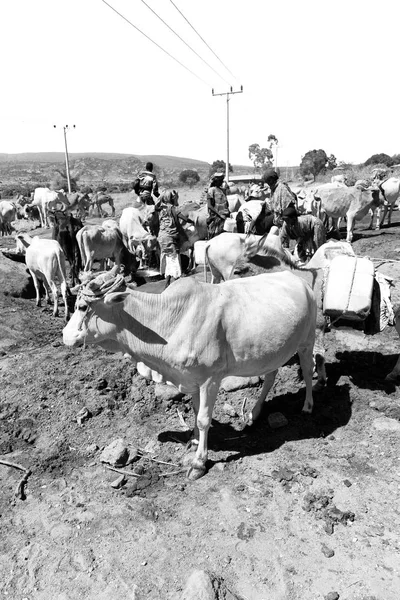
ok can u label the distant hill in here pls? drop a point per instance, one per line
(91, 168)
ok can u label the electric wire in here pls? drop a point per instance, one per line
(155, 43)
(188, 22)
(186, 44)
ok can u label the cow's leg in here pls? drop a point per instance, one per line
(64, 293)
(55, 297)
(196, 405)
(394, 375)
(36, 283)
(112, 209)
(208, 395)
(371, 214)
(389, 214)
(380, 220)
(350, 227)
(319, 356)
(267, 385)
(306, 363)
(47, 291)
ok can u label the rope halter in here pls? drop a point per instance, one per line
(104, 283)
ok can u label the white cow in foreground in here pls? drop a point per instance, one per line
(45, 200)
(46, 262)
(195, 334)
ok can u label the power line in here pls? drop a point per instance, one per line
(186, 44)
(180, 12)
(155, 43)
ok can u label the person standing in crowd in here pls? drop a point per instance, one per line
(308, 231)
(217, 204)
(170, 235)
(281, 195)
(146, 185)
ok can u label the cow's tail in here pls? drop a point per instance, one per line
(206, 262)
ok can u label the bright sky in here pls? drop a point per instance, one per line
(315, 74)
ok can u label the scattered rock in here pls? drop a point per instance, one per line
(386, 424)
(19, 281)
(283, 474)
(229, 410)
(326, 551)
(5, 445)
(101, 384)
(277, 420)
(332, 596)
(83, 415)
(119, 482)
(115, 454)
(166, 393)
(231, 384)
(134, 455)
(92, 448)
(309, 472)
(198, 587)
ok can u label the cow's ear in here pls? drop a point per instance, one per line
(115, 297)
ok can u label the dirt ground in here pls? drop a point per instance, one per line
(294, 513)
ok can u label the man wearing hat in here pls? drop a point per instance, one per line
(308, 231)
(281, 195)
(217, 204)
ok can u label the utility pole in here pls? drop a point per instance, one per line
(66, 128)
(227, 94)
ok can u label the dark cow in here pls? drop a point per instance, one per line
(65, 228)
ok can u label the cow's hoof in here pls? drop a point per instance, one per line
(195, 472)
(192, 445)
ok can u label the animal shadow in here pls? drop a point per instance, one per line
(332, 409)
(367, 370)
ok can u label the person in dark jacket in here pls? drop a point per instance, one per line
(217, 204)
(146, 185)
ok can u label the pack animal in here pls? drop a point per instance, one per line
(264, 257)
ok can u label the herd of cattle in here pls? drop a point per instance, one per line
(193, 335)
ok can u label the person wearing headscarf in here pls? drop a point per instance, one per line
(308, 231)
(281, 195)
(217, 204)
(169, 235)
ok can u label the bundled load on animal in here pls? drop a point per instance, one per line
(349, 287)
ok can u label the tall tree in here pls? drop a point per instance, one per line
(260, 157)
(379, 159)
(219, 165)
(313, 162)
(273, 145)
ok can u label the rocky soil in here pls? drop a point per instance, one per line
(295, 508)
